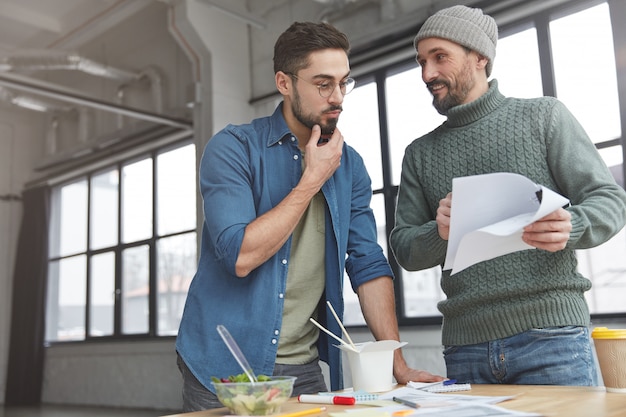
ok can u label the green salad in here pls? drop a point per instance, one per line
(240, 378)
(253, 399)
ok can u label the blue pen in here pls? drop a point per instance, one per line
(434, 384)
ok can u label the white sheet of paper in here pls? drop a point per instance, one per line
(488, 214)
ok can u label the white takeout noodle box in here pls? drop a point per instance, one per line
(371, 366)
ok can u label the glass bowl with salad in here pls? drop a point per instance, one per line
(245, 398)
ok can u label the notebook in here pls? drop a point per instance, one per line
(439, 386)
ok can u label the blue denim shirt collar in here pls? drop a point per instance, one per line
(278, 126)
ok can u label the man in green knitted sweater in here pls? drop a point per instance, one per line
(520, 318)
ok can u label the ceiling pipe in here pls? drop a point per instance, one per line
(46, 60)
(65, 94)
(31, 103)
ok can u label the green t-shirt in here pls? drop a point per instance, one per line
(305, 286)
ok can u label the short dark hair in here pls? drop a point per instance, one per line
(292, 49)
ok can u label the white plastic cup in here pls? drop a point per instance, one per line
(611, 350)
(371, 366)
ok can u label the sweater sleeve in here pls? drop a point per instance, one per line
(598, 203)
(415, 240)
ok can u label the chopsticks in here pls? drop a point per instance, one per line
(343, 329)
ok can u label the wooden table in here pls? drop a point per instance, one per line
(548, 400)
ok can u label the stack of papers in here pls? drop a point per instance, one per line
(432, 404)
(488, 214)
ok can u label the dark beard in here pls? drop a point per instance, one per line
(309, 121)
(454, 97)
(445, 103)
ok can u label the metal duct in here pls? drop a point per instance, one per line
(31, 103)
(46, 60)
(57, 92)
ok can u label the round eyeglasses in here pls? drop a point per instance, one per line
(326, 88)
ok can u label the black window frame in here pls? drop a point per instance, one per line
(118, 248)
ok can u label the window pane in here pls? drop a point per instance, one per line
(584, 68)
(605, 266)
(352, 315)
(614, 158)
(68, 219)
(65, 318)
(104, 206)
(176, 190)
(135, 290)
(102, 294)
(518, 74)
(422, 292)
(177, 265)
(137, 201)
(410, 114)
(378, 206)
(359, 125)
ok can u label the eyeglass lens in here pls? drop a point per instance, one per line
(327, 88)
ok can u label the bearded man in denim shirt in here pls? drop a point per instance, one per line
(287, 209)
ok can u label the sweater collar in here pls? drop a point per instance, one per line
(465, 114)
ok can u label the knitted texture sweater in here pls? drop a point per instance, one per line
(540, 139)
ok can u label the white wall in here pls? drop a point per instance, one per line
(120, 374)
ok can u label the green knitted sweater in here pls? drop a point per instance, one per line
(538, 138)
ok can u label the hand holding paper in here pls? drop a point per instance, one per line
(488, 214)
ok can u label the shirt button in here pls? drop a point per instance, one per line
(296, 157)
(293, 138)
(276, 332)
(284, 261)
(274, 341)
(280, 142)
(281, 295)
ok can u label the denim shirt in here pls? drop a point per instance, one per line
(245, 171)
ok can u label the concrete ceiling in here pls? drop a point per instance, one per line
(27, 25)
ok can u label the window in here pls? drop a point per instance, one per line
(518, 74)
(360, 128)
(123, 248)
(596, 106)
(391, 107)
(410, 114)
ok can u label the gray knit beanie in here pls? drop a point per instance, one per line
(466, 26)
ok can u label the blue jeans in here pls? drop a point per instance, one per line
(197, 397)
(549, 356)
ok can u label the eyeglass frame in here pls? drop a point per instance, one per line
(343, 85)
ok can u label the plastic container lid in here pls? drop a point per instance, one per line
(605, 333)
